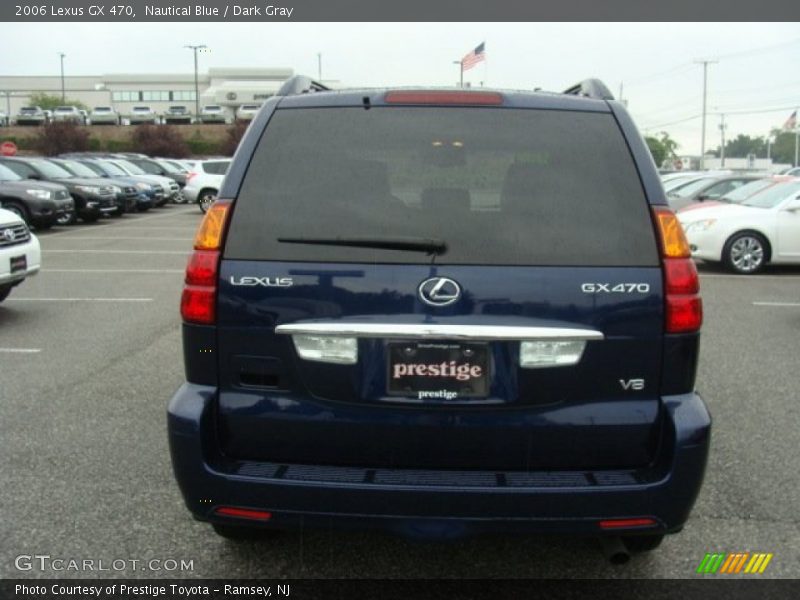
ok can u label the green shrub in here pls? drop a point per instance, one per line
(159, 140)
(59, 137)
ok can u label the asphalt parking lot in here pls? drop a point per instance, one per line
(90, 353)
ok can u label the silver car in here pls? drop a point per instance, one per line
(104, 115)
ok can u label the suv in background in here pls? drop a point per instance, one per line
(247, 112)
(126, 192)
(170, 187)
(32, 115)
(68, 113)
(156, 166)
(92, 198)
(457, 311)
(213, 113)
(20, 254)
(38, 203)
(177, 115)
(104, 115)
(204, 180)
(142, 114)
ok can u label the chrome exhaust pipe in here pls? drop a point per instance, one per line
(614, 550)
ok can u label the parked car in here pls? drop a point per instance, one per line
(213, 113)
(247, 112)
(707, 188)
(744, 237)
(38, 203)
(389, 341)
(105, 115)
(154, 166)
(142, 114)
(149, 194)
(740, 194)
(31, 115)
(169, 186)
(69, 114)
(127, 196)
(92, 199)
(795, 172)
(204, 181)
(177, 115)
(20, 254)
(5, 120)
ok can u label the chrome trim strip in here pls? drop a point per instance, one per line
(439, 331)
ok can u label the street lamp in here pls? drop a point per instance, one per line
(196, 87)
(319, 66)
(63, 95)
(460, 71)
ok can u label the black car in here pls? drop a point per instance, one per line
(93, 198)
(155, 166)
(126, 192)
(38, 203)
(442, 312)
(150, 194)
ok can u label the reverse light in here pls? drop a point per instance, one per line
(533, 355)
(443, 97)
(327, 348)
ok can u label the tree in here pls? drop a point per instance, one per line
(743, 145)
(60, 137)
(783, 146)
(662, 148)
(50, 102)
(159, 140)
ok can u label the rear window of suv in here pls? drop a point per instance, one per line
(497, 186)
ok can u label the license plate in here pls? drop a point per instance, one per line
(19, 263)
(438, 370)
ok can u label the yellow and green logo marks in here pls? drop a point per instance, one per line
(733, 563)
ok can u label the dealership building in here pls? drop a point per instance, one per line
(228, 87)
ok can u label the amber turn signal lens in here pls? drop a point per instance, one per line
(209, 234)
(673, 240)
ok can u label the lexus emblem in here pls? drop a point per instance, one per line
(9, 235)
(439, 291)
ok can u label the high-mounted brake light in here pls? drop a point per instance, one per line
(444, 97)
(198, 301)
(683, 307)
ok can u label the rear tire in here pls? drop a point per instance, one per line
(5, 290)
(18, 209)
(206, 198)
(242, 533)
(745, 253)
(637, 544)
(67, 219)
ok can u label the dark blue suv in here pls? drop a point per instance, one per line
(441, 312)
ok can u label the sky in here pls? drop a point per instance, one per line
(757, 68)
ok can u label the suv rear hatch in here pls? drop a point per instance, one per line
(441, 237)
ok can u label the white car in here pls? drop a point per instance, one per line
(247, 112)
(204, 181)
(142, 114)
(68, 113)
(20, 254)
(213, 113)
(763, 228)
(104, 115)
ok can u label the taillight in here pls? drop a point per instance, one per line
(198, 301)
(244, 513)
(190, 175)
(443, 97)
(682, 304)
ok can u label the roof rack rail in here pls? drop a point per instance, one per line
(591, 88)
(300, 84)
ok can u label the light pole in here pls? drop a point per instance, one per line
(722, 128)
(319, 66)
(705, 64)
(196, 87)
(63, 95)
(460, 71)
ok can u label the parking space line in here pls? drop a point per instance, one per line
(776, 303)
(752, 278)
(20, 350)
(67, 251)
(157, 239)
(116, 224)
(79, 300)
(112, 271)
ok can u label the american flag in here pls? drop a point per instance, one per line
(791, 122)
(474, 57)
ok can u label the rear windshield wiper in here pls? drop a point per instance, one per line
(427, 245)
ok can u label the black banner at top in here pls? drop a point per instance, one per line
(407, 10)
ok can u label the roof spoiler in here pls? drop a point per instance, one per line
(300, 84)
(591, 88)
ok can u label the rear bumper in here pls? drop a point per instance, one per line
(448, 502)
